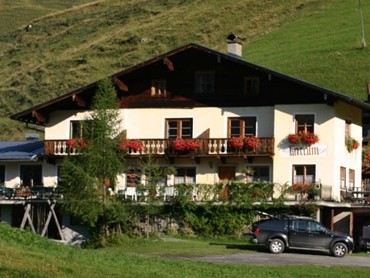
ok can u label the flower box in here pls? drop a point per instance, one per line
(131, 145)
(76, 143)
(303, 138)
(236, 142)
(183, 145)
(252, 142)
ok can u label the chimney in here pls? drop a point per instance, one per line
(234, 45)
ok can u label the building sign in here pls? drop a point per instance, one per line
(295, 151)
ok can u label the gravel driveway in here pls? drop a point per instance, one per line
(260, 258)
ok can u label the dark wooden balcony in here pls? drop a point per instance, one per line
(217, 147)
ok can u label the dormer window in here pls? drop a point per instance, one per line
(251, 86)
(204, 83)
(158, 88)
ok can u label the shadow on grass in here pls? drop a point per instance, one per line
(250, 247)
(263, 249)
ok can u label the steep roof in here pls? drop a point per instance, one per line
(70, 100)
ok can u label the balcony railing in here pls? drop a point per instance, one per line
(208, 147)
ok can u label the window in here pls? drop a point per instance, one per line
(204, 83)
(251, 86)
(2, 174)
(304, 123)
(343, 178)
(31, 175)
(314, 227)
(245, 126)
(299, 225)
(179, 128)
(351, 178)
(158, 88)
(133, 178)
(79, 129)
(261, 173)
(185, 175)
(304, 173)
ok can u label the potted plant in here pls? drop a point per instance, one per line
(76, 143)
(185, 145)
(252, 142)
(351, 143)
(236, 143)
(131, 145)
(303, 138)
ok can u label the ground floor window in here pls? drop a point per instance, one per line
(304, 173)
(259, 173)
(185, 175)
(343, 178)
(351, 178)
(31, 175)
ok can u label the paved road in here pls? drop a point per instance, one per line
(260, 258)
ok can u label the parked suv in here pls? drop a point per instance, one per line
(297, 232)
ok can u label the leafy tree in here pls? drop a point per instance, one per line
(88, 178)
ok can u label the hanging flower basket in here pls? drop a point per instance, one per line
(303, 138)
(131, 145)
(182, 145)
(236, 142)
(252, 142)
(351, 143)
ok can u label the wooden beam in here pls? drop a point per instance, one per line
(26, 217)
(122, 86)
(39, 117)
(79, 100)
(168, 63)
(52, 213)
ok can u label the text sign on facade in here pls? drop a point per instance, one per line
(315, 150)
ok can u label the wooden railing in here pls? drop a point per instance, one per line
(208, 147)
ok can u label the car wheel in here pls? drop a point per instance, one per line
(276, 246)
(339, 249)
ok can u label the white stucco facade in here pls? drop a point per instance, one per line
(328, 155)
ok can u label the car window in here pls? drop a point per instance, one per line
(315, 227)
(299, 225)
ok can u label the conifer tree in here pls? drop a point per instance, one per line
(89, 177)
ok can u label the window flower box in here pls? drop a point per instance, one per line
(185, 145)
(351, 143)
(303, 138)
(131, 146)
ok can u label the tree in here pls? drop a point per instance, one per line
(88, 178)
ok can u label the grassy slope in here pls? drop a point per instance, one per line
(79, 45)
(26, 255)
(323, 48)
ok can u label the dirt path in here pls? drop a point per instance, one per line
(260, 258)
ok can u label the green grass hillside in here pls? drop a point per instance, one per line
(78, 42)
